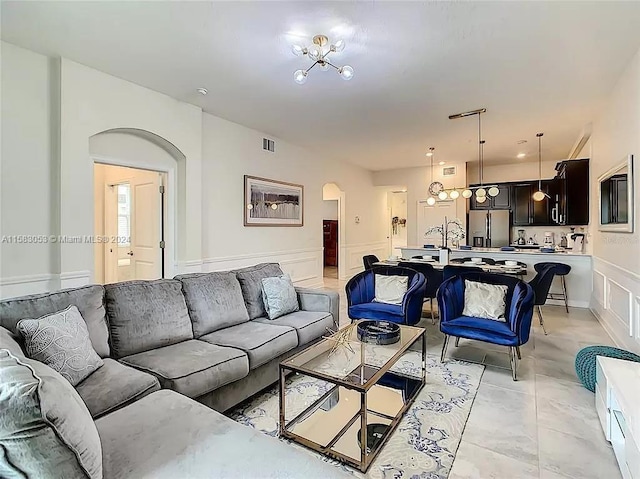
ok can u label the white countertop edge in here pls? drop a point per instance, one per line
(496, 251)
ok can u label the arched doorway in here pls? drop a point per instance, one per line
(333, 232)
(139, 198)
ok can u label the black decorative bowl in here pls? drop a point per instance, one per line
(378, 332)
(375, 433)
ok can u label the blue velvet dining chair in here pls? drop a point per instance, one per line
(361, 293)
(432, 276)
(513, 332)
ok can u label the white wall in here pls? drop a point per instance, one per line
(231, 151)
(398, 202)
(28, 195)
(519, 170)
(52, 111)
(616, 276)
(416, 181)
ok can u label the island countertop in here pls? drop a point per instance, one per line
(579, 281)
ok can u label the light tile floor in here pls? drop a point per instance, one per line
(542, 426)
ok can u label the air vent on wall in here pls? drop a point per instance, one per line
(268, 145)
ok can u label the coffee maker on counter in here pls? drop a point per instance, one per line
(548, 239)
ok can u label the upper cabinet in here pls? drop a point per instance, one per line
(567, 201)
(573, 176)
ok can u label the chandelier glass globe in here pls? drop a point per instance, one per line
(300, 77)
(431, 201)
(494, 191)
(481, 192)
(314, 52)
(443, 195)
(467, 193)
(455, 194)
(538, 196)
(337, 46)
(346, 72)
(298, 50)
(481, 199)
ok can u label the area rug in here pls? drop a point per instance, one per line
(426, 440)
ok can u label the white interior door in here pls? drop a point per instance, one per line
(429, 216)
(145, 250)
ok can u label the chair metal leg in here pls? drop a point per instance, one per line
(514, 363)
(564, 293)
(541, 319)
(518, 351)
(444, 348)
(433, 318)
(457, 341)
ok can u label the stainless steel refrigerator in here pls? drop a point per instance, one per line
(489, 229)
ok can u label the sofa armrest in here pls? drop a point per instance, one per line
(320, 300)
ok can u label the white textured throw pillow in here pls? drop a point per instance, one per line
(390, 289)
(483, 300)
(279, 296)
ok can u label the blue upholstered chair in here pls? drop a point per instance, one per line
(541, 284)
(561, 270)
(361, 292)
(452, 270)
(513, 333)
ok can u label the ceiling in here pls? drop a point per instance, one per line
(535, 66)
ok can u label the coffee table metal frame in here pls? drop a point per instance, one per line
(366, 455)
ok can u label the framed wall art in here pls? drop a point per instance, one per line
(272, 203)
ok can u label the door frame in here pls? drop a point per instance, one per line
(170, 252)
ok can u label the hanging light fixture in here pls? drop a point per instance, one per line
(481, 192)
(540, 195)
(434, 190)
(320, 56)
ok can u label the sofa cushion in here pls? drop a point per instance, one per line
(279, 296)
(61, 341)
(143, 441)
(214, 301)
(46, 430)
(192, 368)
(145, 315)
(88, 299)
(309, 325)
(9, 341)
(251, 283)
(262, 342)
(122, 384)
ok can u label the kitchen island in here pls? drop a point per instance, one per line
(579, 280)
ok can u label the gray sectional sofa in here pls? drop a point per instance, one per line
(171, 347)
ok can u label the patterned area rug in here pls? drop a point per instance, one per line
(425, 442)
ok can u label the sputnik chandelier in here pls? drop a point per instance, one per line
(320, 56)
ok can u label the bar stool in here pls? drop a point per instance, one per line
(560, 269)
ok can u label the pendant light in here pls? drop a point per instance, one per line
(539, 195)
(431, 200)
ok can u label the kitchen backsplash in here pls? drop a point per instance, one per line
(537, 232)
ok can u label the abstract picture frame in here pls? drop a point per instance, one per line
(270, 202)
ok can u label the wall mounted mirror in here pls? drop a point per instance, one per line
(615, 189)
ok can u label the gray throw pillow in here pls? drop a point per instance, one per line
(482, 300)
(61, 341)
(279, 296)
(46, 430)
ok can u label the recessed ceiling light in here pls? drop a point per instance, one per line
(202, 91)
(441, 163)
(521, 155)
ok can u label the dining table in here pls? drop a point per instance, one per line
(488, 268)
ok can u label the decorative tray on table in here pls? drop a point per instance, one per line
(378, 332)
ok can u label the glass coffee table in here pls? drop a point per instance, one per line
(364, 392)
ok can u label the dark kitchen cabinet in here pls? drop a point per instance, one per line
(573, 177)
(521, 204)
(500, 202)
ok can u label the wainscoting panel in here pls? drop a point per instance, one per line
(12, 287)
(303, 265)
(616, 302)
(354, 253)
